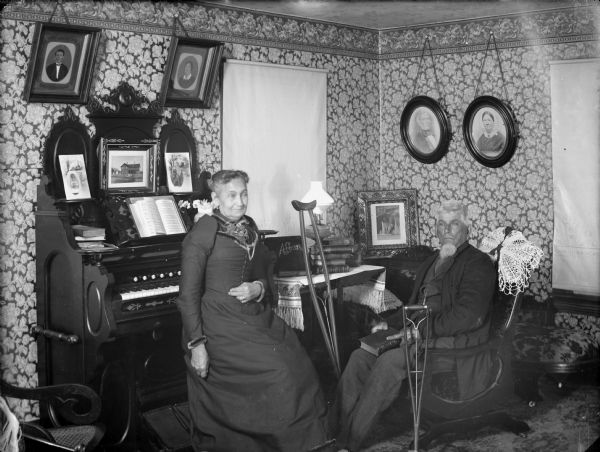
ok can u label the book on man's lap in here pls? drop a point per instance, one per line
(377, 342)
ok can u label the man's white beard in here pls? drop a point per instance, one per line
(447, 250)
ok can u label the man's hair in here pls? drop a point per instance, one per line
(487, 113)
(223, 177)
(453, 206)
(59, 50)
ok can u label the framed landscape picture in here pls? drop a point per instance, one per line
(387, 221)
(191, 73)
(128, 167)
(61, 65)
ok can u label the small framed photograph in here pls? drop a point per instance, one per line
(490, 131)
(387, 221)
(425, 129)
(179, 172)
(61, 65)
(74, 176)
(191, 73)
(128, 167)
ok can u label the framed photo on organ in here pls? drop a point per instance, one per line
(61, 65)
(128, 167)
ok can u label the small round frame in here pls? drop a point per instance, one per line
(490, 131)
(425, 129)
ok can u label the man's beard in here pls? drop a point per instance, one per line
(447, 250)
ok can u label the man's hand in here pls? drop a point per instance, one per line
(200, 360)
(412, 333)
(246, 291)
(379, 326)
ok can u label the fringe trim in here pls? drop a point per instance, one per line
(292, 316)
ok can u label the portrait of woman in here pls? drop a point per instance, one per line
(490, 132)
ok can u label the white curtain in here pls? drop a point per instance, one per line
(275, 129)
(575, 86)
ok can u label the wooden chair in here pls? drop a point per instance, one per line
(69, 413)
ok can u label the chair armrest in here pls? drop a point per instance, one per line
(76, 403)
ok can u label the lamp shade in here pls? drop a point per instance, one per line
(316, 193)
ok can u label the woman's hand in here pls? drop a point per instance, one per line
(412, 333)
(200, 360)
(247, 291)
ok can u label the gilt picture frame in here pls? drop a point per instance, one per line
(490, 131)
(387, 221)
(425, 129)
(191, 73)
(62, 64)
(128, 167)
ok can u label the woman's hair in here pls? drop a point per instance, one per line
(225, 176)
(487, 113)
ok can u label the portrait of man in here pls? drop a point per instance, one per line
(57, 70)
(424, 131)
(490, 138)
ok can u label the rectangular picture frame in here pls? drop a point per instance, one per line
(128, 167)
(387, 221)
(191, 72)
(74, 177)
(62, 64)
(178, 166)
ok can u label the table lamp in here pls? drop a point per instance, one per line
(317, 193)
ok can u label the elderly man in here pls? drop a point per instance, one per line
(457, 284)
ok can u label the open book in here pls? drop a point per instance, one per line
(156, 215)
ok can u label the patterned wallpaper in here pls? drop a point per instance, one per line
(366, 93)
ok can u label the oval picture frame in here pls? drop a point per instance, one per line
(425, 129)
(490, 131)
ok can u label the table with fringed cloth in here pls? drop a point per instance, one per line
(364, 285)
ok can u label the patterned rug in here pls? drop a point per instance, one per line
(565, 420)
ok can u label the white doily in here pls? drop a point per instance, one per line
(518, 258)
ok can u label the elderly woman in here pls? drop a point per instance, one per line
(251, 386)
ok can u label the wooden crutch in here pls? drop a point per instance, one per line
(326, 321)
(414, 376)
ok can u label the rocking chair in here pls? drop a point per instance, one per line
(71, 410)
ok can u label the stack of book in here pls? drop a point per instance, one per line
(88, 237)
(340, 256)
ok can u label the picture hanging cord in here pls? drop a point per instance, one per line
(177, 21)
(62, 8)
(492, 37)
(437, 82)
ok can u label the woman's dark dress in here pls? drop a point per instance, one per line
(262, 393)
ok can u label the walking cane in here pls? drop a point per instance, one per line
(416, 388)
(327, 322)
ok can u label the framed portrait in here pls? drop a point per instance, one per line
(62, 63)
(74, 176)
(425, 129)
(490, 131)
(387, 221)
(191, 73)
(128, 167)
(179, 172)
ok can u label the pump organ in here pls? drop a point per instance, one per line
(108, 318)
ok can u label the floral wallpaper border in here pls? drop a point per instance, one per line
(580, 22)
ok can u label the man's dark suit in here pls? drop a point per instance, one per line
(51, 72)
